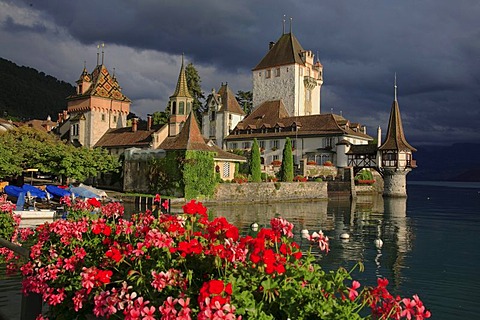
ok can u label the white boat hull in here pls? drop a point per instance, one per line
(32, 218)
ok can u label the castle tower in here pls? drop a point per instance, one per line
(180, 104)
(290, 73)
(222, 115)
(396, 155)
(97, 105)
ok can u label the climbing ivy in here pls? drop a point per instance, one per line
(198, 174)
(165, 174)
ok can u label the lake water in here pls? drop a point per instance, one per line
(431, 242)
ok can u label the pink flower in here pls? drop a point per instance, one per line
(352, 293)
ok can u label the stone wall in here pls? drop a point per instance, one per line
(270, 191)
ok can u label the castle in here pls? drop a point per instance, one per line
(286, 104)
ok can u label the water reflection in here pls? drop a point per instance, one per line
(365, 219)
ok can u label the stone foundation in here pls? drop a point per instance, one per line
(395, 183)
(270, 192)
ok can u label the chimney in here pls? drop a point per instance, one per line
(270, 45)
(379, 137)
(134, 124)
(149, 122)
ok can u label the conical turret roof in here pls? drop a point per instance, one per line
(395, 139)
(182, 88)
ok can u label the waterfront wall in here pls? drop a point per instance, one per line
(270, 191)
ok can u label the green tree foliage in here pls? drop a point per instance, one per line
(255, 169)
(195, 89)
(29, 148)
(286, 170)
(161, 117)
(245, 99)
(27, 93)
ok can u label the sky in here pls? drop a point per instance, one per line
(433, 47)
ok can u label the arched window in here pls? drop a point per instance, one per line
(181, 107)
(189, 107)
(174, 107)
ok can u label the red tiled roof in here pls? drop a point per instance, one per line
(273, 114)
(189, 138)
(125, 137)
(229, 102)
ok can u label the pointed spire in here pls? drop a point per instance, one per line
(395, 138)
(182, 88)
(291, 20)
(395, 87)
(98, 53)
(284, 16)
(103, 53)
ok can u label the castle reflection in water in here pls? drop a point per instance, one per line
(365, 219)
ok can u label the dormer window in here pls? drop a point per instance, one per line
(268, 73)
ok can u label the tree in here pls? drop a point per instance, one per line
(161, 117)
(26, 147)
(255, 170)
(195, 89)
(286, 170)
(244, 99)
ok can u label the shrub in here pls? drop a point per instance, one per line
(286, 170)
(240, 178)
(255, 170)
(264, 176)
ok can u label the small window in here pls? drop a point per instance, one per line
(294, 144)
(276, 157)
(233, 145)
(260, 74)
(181, 107)
(268, 73)
(261, 144)
(246, 145)
(274, 144)
(277, 72)
(114, 119)
(103, 116)
(226, 169)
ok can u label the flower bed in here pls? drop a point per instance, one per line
(187, 266)
(365, 182)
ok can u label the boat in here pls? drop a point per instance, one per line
(84, 193)
(57, 191)
(98, 192)
(34, 191)
(32, 218)
(13, 191)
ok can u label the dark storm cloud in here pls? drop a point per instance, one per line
(432, 46)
